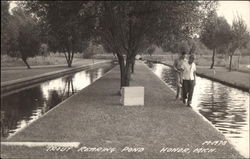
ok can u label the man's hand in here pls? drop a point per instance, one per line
(180, 70)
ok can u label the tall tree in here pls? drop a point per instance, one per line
(5, 16)
(28, 42)
(20, 35)
(215, 33)
(238, 39)
(151, 50)
(66, 30)
(126, 27)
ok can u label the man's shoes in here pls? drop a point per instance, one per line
(184, 101)
(189, 104)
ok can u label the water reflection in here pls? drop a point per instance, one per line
(225, 107)
(22, 108)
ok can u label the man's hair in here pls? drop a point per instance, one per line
(191, 56)
(183, 53)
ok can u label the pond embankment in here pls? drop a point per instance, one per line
(15, 79)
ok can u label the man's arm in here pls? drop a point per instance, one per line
(194, 74)
(175, 66)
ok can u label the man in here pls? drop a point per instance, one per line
(189, 71)
(177, 67)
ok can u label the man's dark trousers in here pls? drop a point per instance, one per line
(187, 90)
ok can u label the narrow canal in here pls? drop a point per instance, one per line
(22, 108)
(224, 107)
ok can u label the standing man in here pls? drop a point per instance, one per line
(178, 68)
(189, 71)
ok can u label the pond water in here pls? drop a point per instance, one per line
(224, 107)
(22, 108)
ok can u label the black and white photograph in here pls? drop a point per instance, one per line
(125, 79)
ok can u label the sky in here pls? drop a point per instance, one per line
(228, 9)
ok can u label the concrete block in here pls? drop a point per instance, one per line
(132, 96)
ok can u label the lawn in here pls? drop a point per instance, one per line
(52, 59)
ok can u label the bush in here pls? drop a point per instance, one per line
(105, 56)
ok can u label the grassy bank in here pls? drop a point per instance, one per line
(51, 59)
(236, 79)
(14, 73)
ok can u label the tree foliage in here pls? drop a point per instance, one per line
(65, 30)
(122, 27)
(215, 33)
(239, 37)
(128, 27)
(151, 50)
(5, 16)
(21, 35)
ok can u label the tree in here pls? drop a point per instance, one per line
(128, 27)
(215, 33)
(177, 46)
(90, 51)
(5, 16)
(28, 43)
(124, 28)
(65, 29)
(43, 50)
(151, 50)
(239, 37)
(192, 46)
(245, 50)
(21, 35)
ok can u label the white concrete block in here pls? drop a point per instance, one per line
(132, 96)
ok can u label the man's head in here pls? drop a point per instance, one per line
(183, 55)
(191, 59)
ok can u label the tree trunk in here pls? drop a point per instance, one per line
(212, 65)
(26, 63)
(133, 66)
(239, 61)
(69, 56)
(127, 73)
(70, 59)
(230, 62)
(125, 70)
(69, 63)
(122, 65)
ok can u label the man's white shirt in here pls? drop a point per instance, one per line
(189, 69)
